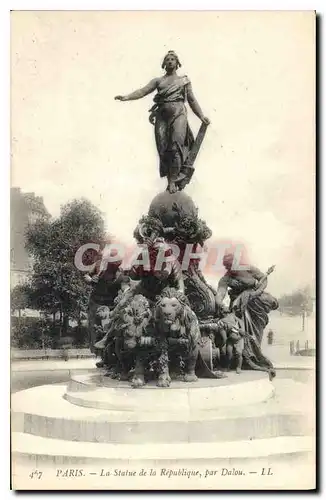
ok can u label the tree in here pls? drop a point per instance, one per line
(57, 285)
(297, 303)
(19, 298)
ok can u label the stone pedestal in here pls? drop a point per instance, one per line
(95, 419)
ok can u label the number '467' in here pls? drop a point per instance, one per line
(36, 474)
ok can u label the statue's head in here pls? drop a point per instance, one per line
(102, 315)
(171, 61)
(124, 282)
(236, 261)
(237, 311)
(103, 312)
(171, 308)
(228, 261)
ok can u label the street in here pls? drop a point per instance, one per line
(25, 380)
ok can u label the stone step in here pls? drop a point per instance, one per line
(43, 411)
(39, 449)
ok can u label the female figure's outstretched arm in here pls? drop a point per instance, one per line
(138, 94)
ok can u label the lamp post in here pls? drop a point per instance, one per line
(303, 308)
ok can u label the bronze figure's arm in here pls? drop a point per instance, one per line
(193, 103)
(261, 286)
(181, 284)
(256, 273)
(176, 268)
(138, 94)
(221, 291)
(261, 280)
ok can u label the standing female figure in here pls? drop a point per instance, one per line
(173, 136)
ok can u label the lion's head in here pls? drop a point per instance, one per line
(172, 311)
(103, 312)
(134, 319)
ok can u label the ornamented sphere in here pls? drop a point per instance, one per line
(163, 203)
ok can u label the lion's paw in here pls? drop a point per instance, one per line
(164, 381)
(137, 381)
(190, 377)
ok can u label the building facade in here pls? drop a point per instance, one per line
(25, 209)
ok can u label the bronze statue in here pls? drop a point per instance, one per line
(231, 335)
(149, 284)
(175, 321)
(168, 317)
(105, 288)
(160, 339)
(246, 290)
(174, 139)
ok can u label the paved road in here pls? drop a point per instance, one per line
(27, 374)
(287, 328)
(21, 380)
(25, 380)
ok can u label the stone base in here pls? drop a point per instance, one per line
(192, 424)
(44, 412)
(100, 392)
(38, 450)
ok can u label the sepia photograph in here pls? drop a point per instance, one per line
(162, 250)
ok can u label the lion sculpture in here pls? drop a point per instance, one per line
(140, 345)
(178, 325)
(131, 339)
(159, 340)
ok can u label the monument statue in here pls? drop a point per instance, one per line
(232, 333)
(174, 140)
(105, 286)
(168, 319)
(246, 290)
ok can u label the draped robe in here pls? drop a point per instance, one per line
(173, 135)
(241, 287)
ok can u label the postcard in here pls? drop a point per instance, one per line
(163, 302)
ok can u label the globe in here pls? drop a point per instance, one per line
(162, 207)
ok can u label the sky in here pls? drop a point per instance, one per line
(253, 74)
